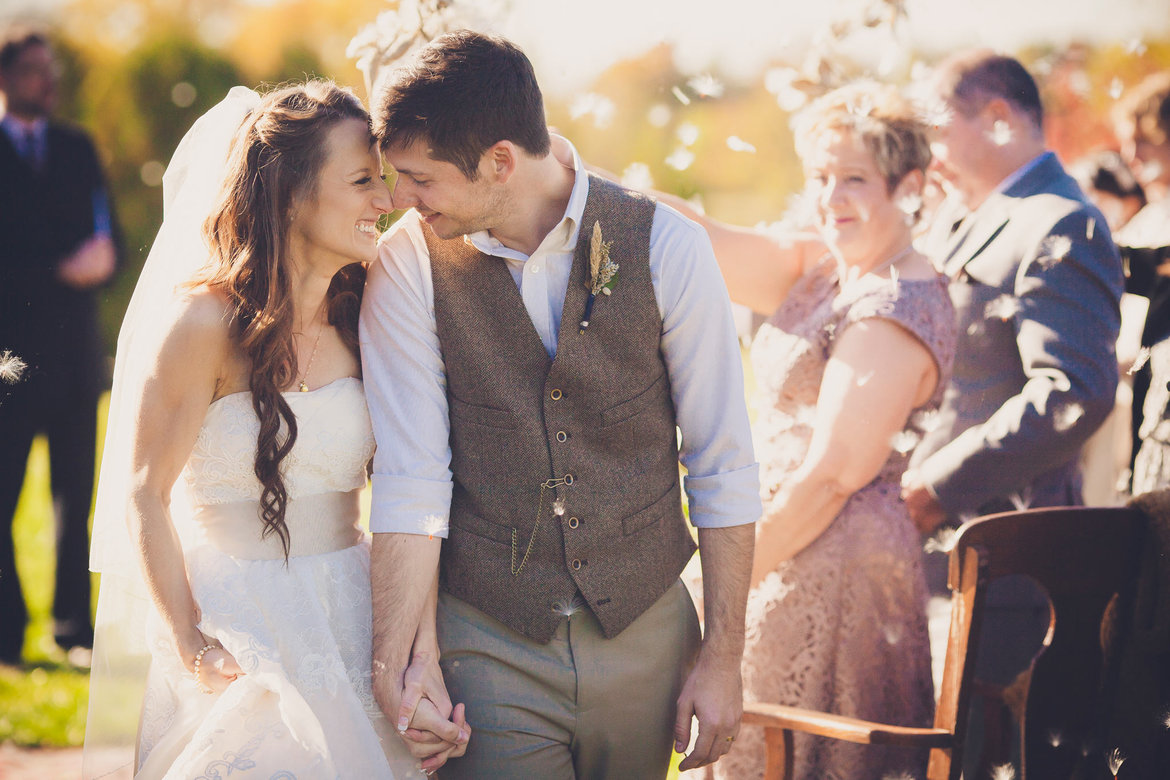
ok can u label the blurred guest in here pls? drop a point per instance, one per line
(1107, 458)
(56, 249)
(850, 366)
(1111, 185)
(1142, 125)
(1035, 279)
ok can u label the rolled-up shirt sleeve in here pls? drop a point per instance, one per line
(702, 355)
(405, 388)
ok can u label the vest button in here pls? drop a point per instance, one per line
(574, 522)
(562, 437)
(576, 564)
(568, 479)
(555, 394)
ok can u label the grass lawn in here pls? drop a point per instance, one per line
(45, 703)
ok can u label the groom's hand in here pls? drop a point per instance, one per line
(432, 729)
(713, 693)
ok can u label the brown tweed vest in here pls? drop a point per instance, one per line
(595, 426)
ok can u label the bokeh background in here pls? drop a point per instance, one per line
(692, 96)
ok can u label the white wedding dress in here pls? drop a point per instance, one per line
(301, 631)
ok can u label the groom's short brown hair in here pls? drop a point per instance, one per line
(462, 93)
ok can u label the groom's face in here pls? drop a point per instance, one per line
(444, 197)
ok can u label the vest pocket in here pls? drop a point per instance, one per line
(634, 406)
(666, 504)
(477, 526)
(481, 415)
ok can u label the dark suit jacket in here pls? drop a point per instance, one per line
(1036, 281)
(44, 216)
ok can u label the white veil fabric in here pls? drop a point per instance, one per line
(121, 657)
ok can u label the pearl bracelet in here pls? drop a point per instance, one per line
(198, 662)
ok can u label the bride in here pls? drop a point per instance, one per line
(238, 445)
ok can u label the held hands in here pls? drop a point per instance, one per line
(713, 693)
(432, 729)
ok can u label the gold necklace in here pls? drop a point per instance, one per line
(304, 388)
(303, 384)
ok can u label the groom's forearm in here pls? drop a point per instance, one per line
(403, 571)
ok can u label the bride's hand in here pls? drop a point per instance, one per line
(217, 670)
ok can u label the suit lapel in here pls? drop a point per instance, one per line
(971, 239)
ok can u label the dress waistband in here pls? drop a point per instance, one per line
(317, 524)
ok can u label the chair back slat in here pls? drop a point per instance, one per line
(1086, 560)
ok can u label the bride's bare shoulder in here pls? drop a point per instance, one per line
(202, 311)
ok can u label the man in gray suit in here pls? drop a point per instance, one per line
(1036, 280)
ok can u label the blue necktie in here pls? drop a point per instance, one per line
(28, 149)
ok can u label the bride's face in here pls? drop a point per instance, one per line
(337, 224)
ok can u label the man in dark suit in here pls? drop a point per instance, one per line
(56, 248)
(1036, 282)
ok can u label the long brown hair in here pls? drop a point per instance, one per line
(273, 167)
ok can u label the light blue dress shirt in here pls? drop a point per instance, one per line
(406, 385)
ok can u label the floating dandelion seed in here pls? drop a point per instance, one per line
(659, 115)
(570, 607)
(681, 159)
(904, 441)
(680, 95)
(591, 104)
(1090, 228)
(11, 367)
(1054, 738)
(706, 86)
(1022, 500)
(975, 328)
(1066, 416)
(1001, 133)
(637, 176)
(909, 204)
(434, 525)
(1115, 88)
(1057, 247)
(780, 82)
(1002, 308)
(892, 633)
(559, 507)
(926, 421)
(1153, 169)
(1003, 772)
(1115, 758)
(1140, 359)
(1166, 720)
(862, 106)
(936, 113)
(941, 542)
(687, 133)
(1136, 46)
(737, 144)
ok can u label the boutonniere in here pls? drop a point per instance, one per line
(603, 272)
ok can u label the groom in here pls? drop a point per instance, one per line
(531, 338)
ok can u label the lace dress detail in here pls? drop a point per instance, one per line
(302, 632)
(841, 627)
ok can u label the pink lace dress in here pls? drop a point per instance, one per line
(841, 627)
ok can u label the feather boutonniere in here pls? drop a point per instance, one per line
(603, 272)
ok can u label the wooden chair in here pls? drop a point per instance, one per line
(1086, 559)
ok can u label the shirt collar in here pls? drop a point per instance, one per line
(16, 127)
(563, 237)
(1023, 171)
